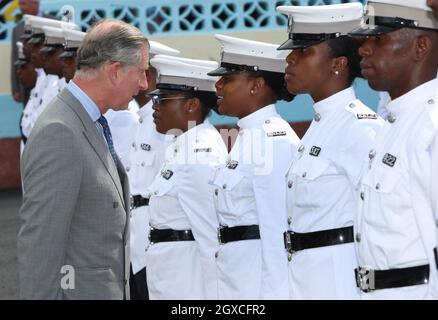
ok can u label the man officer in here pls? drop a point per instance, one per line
(395, 228)
(75, 211)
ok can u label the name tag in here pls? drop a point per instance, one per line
(203, 150)
(314, 151)
(367, 116)
(276, 133)
(389, 160)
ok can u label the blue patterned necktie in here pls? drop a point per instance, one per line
(108, 137)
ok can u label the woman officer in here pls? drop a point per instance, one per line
(323, 179)
(183, 241)
(250, 193)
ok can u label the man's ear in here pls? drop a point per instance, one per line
(113, 72)
(423, 47)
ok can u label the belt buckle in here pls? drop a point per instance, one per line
(131, 203)
(219, 236)
(365, 279)
(288, 241)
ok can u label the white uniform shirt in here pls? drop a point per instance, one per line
(395, 226)
(51, 89)
(251, 193)
(321, 194)
(145, 158)
(123, 125)
(34, 102)
(384, 99)
(182, 199)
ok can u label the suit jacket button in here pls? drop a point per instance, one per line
(115, 205)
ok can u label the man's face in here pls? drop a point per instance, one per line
(53, 65)
(386, 60)
(132, 80)
(37, 57)
(27, 75)
(29, 6)
(68, 67)
(434, 5)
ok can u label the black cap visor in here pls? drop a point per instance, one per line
(231, 68)
(371, 30)
(20, 62)
(376, 25)
(36, 38)
(68, 54)
(304, 40)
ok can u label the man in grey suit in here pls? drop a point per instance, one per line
(74, 237)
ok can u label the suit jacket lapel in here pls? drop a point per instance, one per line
(95, 139)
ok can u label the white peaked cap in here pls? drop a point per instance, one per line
(38, 22)
(73, 38)
(384, 16)
(53, 35)
(159, 48)
(253, 55)
(310, 25)
(178, 73)
(206, 63)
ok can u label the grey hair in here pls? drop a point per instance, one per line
(110, 40)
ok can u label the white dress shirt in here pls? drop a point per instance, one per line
(396, 225)
(322, 184)
(181, 199)
(251, 193)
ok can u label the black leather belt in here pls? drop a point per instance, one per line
(435, 251)
(138, 201)
(228, 234)
(166, 235)
(368, 279)
(294, 241)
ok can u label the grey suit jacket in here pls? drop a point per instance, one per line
(74, 215)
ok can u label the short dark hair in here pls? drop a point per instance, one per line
(208, 101)
(347, 47)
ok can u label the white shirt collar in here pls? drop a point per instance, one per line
(335, 102)
(421, 93)
(256, 118)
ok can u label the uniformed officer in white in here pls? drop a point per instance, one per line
(38, 96)
(249, 190)
(183, 240)
(53, 46)
(396, 228)
(142, 149)
(36, 36)
(323, 179)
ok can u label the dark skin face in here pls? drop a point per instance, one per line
(312, 70)
(176, 113)
(27, 75)
(68, 67)
(398, 61)
(53, 64)
(142, 99)
(241, 94)
(434, 5)
(37, 58)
